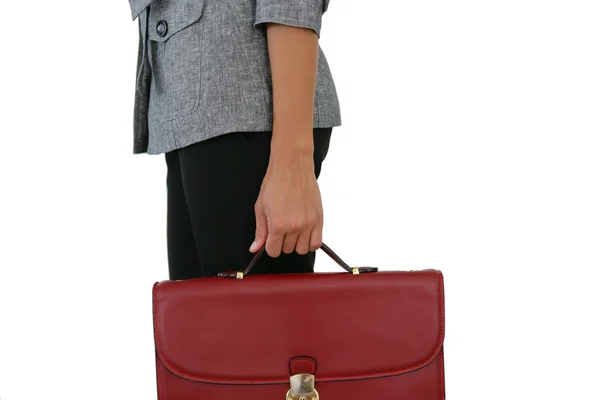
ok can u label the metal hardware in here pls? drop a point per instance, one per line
(355, 270)
(239, 275)
(302, 387)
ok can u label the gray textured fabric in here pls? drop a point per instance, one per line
(137, 6)
(210, 73)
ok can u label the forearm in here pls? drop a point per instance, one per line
(293, 54)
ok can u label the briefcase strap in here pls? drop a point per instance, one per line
(324, 247)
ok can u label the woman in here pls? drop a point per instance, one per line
(238, 96)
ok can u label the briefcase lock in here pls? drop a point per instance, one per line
(302, 387)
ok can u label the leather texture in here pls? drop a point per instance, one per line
(376, 336)
(303, 365)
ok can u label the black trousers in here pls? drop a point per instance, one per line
(212, 187)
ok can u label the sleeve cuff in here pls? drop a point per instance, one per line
(299, 13)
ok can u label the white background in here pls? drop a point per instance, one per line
(470, 143)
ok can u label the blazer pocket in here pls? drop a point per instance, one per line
(175, 45)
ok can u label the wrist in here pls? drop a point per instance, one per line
(290, 160)
(290, 143)
(297, 157)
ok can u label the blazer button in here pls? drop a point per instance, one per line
(161, 27)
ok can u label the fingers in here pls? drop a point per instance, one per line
(260, 236)
(316, 238)
(274, 243)
(303, 242)
(286, 241)
(289, 242)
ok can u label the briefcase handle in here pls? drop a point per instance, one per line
(324, 247)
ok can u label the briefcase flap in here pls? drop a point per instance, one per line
(247, 331)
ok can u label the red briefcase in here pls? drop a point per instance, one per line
(359, 334)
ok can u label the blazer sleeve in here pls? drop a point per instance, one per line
(300, 13)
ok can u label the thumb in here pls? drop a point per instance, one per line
(260, 236)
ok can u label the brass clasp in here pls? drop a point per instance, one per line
(302, 387)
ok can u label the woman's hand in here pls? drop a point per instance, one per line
(289, 212)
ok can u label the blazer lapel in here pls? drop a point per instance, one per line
(137, 6)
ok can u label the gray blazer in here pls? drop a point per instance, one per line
(203, 69)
